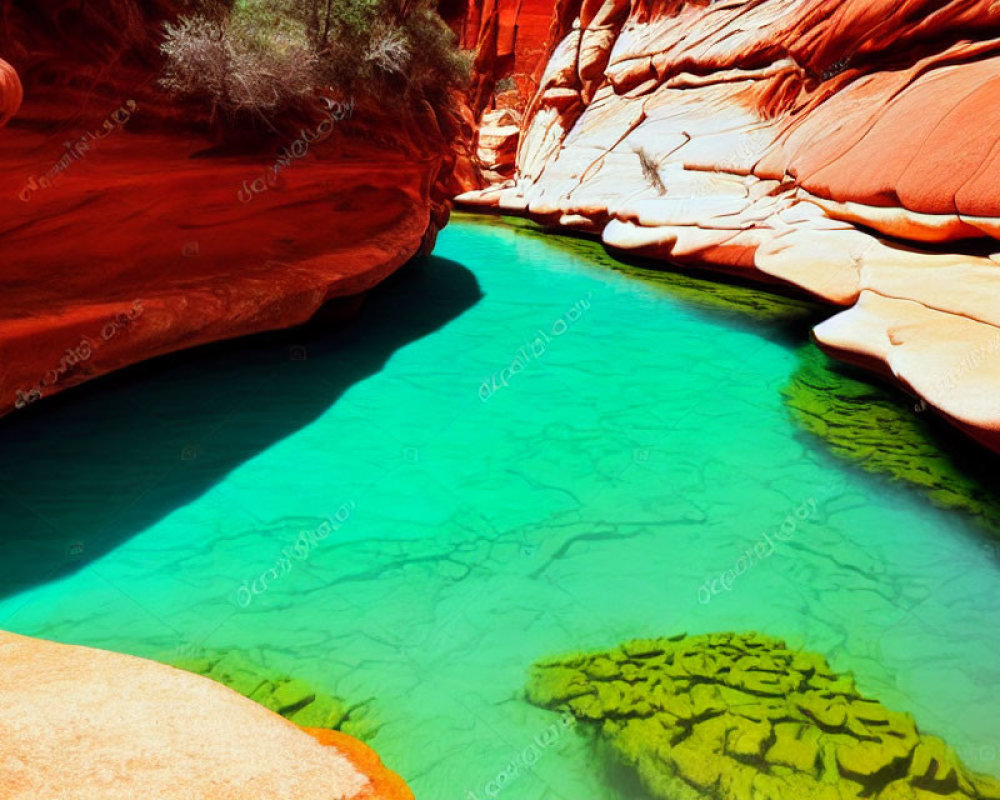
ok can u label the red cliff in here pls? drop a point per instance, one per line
(128, 231)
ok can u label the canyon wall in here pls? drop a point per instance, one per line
(128, 230)
(841, 148)
(511, 39)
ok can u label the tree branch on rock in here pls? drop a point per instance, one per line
(650, 170)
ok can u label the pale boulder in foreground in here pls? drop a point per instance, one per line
(84, 724)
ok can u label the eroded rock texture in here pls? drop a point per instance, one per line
(742, 717)
(131, 228)
(512, 39)
(496, 143)
(847, 149)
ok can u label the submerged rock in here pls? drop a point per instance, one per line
(733, 716)
(877, 429)
(292, 698)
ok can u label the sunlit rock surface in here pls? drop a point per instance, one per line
(497, 143)
(511, 39)
(290, 697)
(740, 716)
(846, 149)
(82, 724)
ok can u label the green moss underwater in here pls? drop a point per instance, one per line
(877, 427)
(733, 716)
(292, 698)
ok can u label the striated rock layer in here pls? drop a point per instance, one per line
(741, 717)
(83, 724)
(131, 228)
(511, 39)
(842, 148)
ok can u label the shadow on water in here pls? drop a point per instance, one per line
(88, 469)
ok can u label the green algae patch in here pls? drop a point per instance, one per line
(712, 293)
(883, 432)
(293, 699)
(741, 717)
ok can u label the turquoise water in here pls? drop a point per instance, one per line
(638, 448)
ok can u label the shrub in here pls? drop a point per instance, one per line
(438, 62)
(506, 84)
(389, 50)
(263, 56)
(234, 66)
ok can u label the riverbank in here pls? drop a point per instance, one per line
(789, 145)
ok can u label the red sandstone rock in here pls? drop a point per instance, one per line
(181, 256)
(11, 92)
(785, 133)
(512, 39)
(127, 233)
(383, 783)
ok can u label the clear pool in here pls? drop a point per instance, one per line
(522, 454)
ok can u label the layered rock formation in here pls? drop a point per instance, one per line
(496, 148)
(129, 232)
(511, 39)
(742, 717)
(82, 724)
(839, 148)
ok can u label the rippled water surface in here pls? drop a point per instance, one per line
(528, 454)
